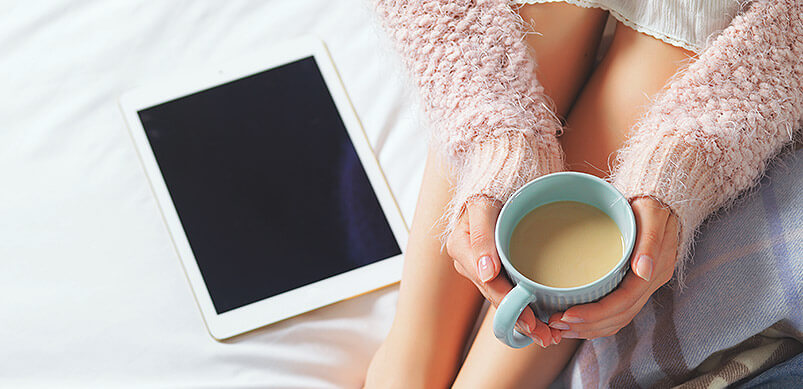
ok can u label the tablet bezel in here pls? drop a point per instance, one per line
(303, 299)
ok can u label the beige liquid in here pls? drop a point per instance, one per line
(565, 244)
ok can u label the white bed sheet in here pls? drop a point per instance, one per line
(91, 291)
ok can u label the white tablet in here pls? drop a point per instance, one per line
(268, 186)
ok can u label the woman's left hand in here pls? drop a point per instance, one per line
(653, 263)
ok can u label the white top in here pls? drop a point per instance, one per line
(683, 23)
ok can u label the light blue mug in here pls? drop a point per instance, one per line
(546, 300)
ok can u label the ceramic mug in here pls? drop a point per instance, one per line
(546, 300)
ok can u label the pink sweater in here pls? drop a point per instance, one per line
(707, 137)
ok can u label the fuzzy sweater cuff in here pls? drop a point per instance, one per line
(477, 83)
(710, 134)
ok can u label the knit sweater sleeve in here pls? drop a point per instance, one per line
(710, 134)
(477, 84)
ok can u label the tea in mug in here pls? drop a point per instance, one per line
(565, 244)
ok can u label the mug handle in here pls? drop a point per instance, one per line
(507, 313)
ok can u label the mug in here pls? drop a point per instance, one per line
(546, 300)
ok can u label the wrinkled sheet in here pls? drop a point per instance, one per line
(92, 293)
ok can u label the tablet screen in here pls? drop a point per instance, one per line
(267, 184)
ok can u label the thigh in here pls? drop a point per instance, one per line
(428, 277)
(633, 70)
(437, 307)
(564, 40)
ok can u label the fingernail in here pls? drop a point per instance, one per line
(558, 325)
(569, 335)
(571, 319)
(485, 269)
(524, 326)
(538, 340)
(644, 267)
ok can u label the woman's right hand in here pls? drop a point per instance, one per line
(473, 248)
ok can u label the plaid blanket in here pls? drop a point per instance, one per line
(740, 313)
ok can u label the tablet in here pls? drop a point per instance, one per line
(268, 187)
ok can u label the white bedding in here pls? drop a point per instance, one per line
(91, 291)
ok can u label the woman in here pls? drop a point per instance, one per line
(730, 107)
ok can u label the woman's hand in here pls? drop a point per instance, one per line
(653, 263)
(473, 248)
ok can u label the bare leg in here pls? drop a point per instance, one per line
(635, 68)
(564, 39)
(437, 307)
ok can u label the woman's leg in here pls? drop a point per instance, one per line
(437, 307)
(564, 39)
(635, 67)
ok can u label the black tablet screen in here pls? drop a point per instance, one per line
(267, 184)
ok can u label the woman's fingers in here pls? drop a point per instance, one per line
(466, 262)
(617, 310)
(605, 327)
(542, 334)
(623, 297)
(647, 263)
(459, 248)
(651, 220)
(494, 290)
(482, 215)
(529, 325)
(557, 334)
(613, 323)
